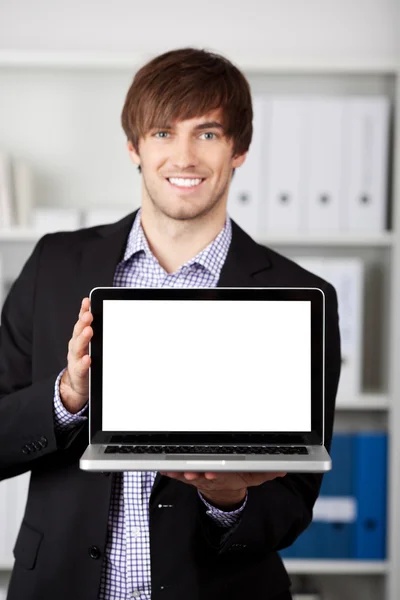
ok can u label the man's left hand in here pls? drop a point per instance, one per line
(224, 490)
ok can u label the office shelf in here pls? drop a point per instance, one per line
(364, 402)
(336, 567)
(381, 249)
(384, 239)
(19, 235)
(312, 566)
(251, 63)
(72, 60)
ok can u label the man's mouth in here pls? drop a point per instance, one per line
(185, 182)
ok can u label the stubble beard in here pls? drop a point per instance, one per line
(188, 212)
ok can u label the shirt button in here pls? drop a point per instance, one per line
(94, 552)
(135, 531)
(135, 594)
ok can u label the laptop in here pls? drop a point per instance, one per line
(214, 379)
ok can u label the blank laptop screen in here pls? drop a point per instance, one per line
(203, 365)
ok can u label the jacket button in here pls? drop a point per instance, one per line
(94, 552)
(37, 445)
(25, 449)
(43, 441)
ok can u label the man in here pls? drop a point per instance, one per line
(91, 536)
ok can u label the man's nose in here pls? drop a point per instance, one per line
(183, 155)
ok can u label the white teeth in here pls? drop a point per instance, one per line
(184, 182)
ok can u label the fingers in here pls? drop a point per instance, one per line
(74, 386)
(85, 318)
(80, 343)
(84, 306)
(193, 476)
(82, 333)
(78, 347)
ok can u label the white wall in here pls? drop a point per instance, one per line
(332, 29)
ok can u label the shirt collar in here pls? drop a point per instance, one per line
(212, 257)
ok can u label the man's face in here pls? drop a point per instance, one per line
(187, 166)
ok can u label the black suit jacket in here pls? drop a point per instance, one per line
(60, 546)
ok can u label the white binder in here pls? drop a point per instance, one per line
(13, 496)
(2, 285)
(101, 216)
(4, 549)
(23, 189)
(324, 169)
(47, 219)
(246, 200)
(6, 198)
(286, 165)
(366, 126)
(347, 277)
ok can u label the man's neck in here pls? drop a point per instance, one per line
(173, 242)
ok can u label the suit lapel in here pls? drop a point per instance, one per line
(244, 262)
(101, 255)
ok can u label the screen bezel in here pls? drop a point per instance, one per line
(314, 295)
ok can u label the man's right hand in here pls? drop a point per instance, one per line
(74, 383)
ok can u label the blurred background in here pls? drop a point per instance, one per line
(320, 185)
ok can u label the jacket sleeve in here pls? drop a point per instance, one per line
(27, 434)
(278, 511)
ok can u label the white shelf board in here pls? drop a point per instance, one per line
(384, 239)
(316, 64)
(313, 566)
(19, 235)
(336, 567)
(364, 402)
(254, 63)
(6, 562)
(73, 60)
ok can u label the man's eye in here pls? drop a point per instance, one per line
(161, 134)
(210, 135)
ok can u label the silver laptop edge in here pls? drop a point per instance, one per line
(317, 460)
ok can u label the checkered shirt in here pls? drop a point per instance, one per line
(126, 557)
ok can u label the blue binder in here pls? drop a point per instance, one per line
(371, 492)
(358, 478)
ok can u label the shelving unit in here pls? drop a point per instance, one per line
(382, 249)
(382, 240)
(336, 567)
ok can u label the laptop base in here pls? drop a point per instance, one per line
(317, 460)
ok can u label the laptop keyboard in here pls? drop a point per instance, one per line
(206, 450)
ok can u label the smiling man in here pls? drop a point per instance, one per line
(186, 170)
(165, 536)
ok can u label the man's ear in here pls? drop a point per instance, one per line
(133, 155)
(238, 160)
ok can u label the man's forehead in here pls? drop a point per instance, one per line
(214, 116)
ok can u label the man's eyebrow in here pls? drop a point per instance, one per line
(208, 125)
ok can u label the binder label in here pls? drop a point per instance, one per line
(331, 508)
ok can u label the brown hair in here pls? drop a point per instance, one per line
(187, 83)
